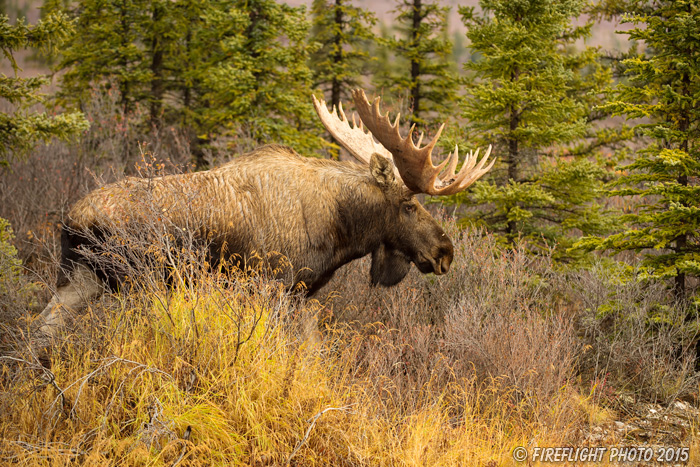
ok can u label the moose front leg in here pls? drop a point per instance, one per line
(83, 285)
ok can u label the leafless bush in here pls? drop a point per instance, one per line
(507, 325)
(35, 194)
(521, 319)
(37, 189)
(116, 140)
(635, 341)
(498, 314)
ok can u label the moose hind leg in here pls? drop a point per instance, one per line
(83, 285)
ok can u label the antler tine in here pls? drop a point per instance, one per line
(409, 138)
(353, 138)
(453, 158)
(470, 172)
(479, 170)
(340, 111)
(414, 163)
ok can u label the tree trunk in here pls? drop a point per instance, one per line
(124, 87)
(157, 88)
(415, 64)
(513, 156)
(124, 84)
(681, 243)
(336, 84)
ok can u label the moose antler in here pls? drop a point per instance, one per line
(353, 138)
(415, 163)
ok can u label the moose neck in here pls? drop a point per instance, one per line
(362, 219)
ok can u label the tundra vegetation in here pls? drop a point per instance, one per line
(572, 299)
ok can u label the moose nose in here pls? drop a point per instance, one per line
(442, 257)
(442, 265)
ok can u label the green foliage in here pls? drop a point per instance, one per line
(107, 50)
(10, 265)
(420, 65)
(343, 33)
(267, 94)
(209, 53)
(16, 294)
(21, 128)
(226, 67)
(529, 95)
(343, 38)
(662, 91)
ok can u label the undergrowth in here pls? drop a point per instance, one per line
(223, 368)
(212, 375)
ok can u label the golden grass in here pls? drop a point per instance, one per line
(170, 383)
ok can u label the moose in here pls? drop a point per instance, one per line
(319, 214)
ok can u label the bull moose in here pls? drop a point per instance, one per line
(319, 214)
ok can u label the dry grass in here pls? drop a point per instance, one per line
(179, 383)
(220, 369)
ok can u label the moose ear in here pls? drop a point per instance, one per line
(382, 170)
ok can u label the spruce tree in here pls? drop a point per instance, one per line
(530, 94)
(107, 51)
(662, 89)
(263, 94)
(421, 70)
(221, 67)
(211, 63)
(342, 33)
(21, 128)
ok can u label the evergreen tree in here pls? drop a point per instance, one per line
(422, 69)
(342, 31)
(662, 90)
(264, 92)
(220, 67)
(21, 128)
(108, 50)
(530, 95)
(210, 60)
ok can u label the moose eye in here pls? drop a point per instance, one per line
(409, 208)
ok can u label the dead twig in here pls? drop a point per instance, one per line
(46, 376)
(312, 422)
(55, 448)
